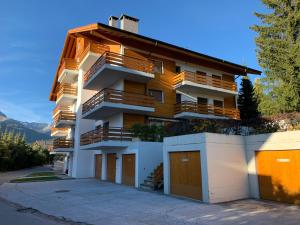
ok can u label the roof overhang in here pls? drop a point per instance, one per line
(99, 31)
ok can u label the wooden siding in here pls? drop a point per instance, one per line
(185, 174)
(131, 119)
(229, 102)
(134, 87)
(128, 169)
(279, 175)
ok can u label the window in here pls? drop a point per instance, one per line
(218, 103)
(157, 94)
(201, 73)
(157, 66)
(178, 69)
(202, 101)
(217, 77)
(178, 98)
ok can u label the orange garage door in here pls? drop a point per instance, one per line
(128, 169)
(279, 175)
(98, 166)
(111, 167)
(185, 174)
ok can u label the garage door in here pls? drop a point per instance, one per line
(185, 174)
(128, 169)
(111, 167)
(279, 175)
(98, 166)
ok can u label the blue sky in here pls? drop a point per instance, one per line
(33, 33)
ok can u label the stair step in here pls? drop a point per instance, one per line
(147, 187)
(148, 182)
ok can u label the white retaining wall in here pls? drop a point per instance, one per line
(223, 164)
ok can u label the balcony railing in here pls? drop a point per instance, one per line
(63, 143)
(120, 60)
(61, 129)
(67, 63)
(66, 89)
(92, 47)
(105, 134)
(205, 80)
(60, 108)
(187, 106)
(116, 96)
(70, 116)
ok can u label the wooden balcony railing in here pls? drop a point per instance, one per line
(206, 80)
(105, 134)
(63, 143)
(60, 129)
(64, 116)
(120, 60)
(66, 89)
(67, 63)
(59, 108)
(116, 96)
(93, 47)
(187, 106)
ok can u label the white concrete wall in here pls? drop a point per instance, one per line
(81, 160)
(223, 164)
(226, 167)
(191, 142)
(275, 141)
(149, 157)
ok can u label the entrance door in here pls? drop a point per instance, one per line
(185, 174)
(98, 166)
(111, 167)
(128, 169)
(279, 175)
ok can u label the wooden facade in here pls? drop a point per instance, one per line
(157, 62)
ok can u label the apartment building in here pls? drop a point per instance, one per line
(109, 78)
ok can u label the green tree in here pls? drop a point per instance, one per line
(278, 51)
(247, 101)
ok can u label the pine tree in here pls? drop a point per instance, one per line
(246, 101)
(278, 50)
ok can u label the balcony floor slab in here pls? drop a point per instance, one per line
(108, 74)
(106, 109)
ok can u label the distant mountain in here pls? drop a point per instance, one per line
(33, 131)
(2, 116)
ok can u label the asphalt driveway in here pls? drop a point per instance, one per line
(95, 202)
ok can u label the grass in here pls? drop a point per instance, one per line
(35, 179)
(41, 174)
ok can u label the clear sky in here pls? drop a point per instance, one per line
(33, 33)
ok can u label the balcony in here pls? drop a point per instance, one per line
(60, 108)
(64, 119)
(90, 54)
(59, 132)
(192, 82)
(66, 94)
(63, 145)
(109, 138)
(108, 102)
(68, 72)
(111, 67)
(192, 110)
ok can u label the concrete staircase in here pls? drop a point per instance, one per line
(155, 181)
